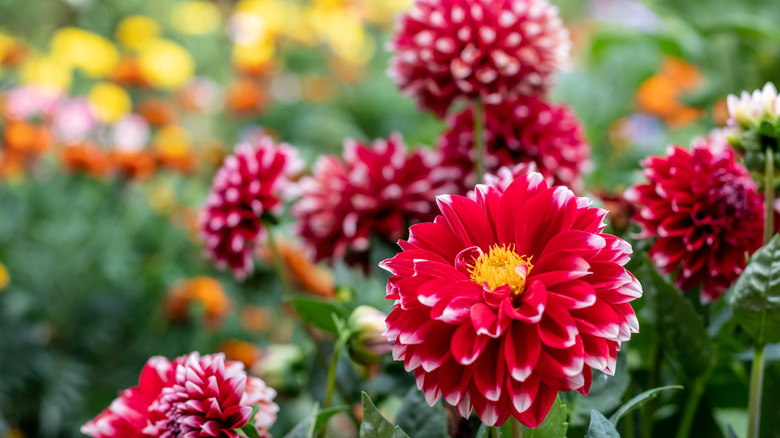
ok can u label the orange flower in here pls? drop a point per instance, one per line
(26, 138)
(11, 165)
(658, 95)
(720, 112)
(246, 96)
(255, 319)
(241, 351)
(173, 148)
(128, 73)
(158, 112)
(300, 267)
(87, 157)
(684, 75)
(138, 164)
(203, 290)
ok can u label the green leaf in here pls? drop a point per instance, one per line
(600, 427)
(250, 431)
(375, 425)
(554, 426)
(756, 295)
(638, 401)
(681, 328)
(307, 427)
(318, 312)
(418, 419)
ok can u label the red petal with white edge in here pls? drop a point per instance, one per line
(590, 220)
(456, 311)
(522, 394)
(532, 306)
(550, 212)
(596, 351)
(561, 267)
(437, 270)
(467, 220)
(485, 320)
(574, 294)
(557, 328)
(436, 238)
(490, 371)
(538, 411)
(454, 379)
(466, 346)
(577, 242)
(488, 199)
(599, 319)
(521, 350)
(512, 201)
(434, 354)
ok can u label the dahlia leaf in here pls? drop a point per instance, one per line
(250, 431)
(310, 425)
(600, 427)
(606, 392)
(638, 401)
(318, 313)
(682, 329)
(554, 426)
(756, 296)
(418, 419)
(375, 425)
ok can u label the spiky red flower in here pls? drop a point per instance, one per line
(128, 414)
(494, 50)
(207, 398)
(247, 186)
(505, 300)
(523, 130)
(193, 396)
(705, 211)
(376, 189)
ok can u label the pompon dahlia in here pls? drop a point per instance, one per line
(705, 211)
(495, 50)
(379, 188)
(505, 300)
(523, 130)
(246, 187)
(209, 397)
(128, 415)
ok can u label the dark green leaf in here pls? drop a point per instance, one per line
(250, 431)
(638, 401)
(600, 427)
(375, 425)
(681, 328)
(307, 428)
(418, 419)
(606, 392)
(554, 426)
(318, 312)
(756, 296)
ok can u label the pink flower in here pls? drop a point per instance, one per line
(128, 415)
(494, 50)
(524, 130)
(505, 300)
(246, 187)
(379, 188)
(704, 210)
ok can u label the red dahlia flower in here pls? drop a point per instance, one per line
(247, 186)
(208, 398)
(128, 415)
(495, 50)
(523, 130)
(505, 300)
(379, 188)
(705, 211)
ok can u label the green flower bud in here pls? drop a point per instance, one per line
(367, 343)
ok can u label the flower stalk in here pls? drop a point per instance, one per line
(479, 138)
(277, 258)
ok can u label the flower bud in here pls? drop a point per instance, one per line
(367, 344)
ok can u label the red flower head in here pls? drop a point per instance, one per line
(379, 188)
(246, 187)
(495, 50)
(128, 415)
(706, 212)
(208, 398)
(505, 300)
(523, 130)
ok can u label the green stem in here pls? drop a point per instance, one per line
(756, 385)
(648, 410)
(691, 406)
(517, 431)
(277, 259)
(493, 432)
(769, 196)
(334, 361)
(479, 139)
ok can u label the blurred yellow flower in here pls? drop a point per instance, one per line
(342, 29)
(173, 147)
(5, 278)
(166, 64)
(48, 72)
(196, 17)
(253, 56)
(135, 31)
(256, 20)
(95, 55)
(110, 101)
(7, 45)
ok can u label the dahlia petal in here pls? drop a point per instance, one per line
(574, 294)
(485, 320)
(513, 198)
(466, 346)
(522, 394)
(532, 306)
(454, 379)
(554, 211)
(521, 351)
(533, 416)
(597, 320)
(557, 328)
(491, 370)
(467, 221)
(456, 310)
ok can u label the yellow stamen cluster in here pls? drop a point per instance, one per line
(500, 266)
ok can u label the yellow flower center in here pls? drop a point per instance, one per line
(502, 266)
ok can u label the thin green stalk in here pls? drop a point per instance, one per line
(691, 406)
(493, 432)
(517, 431)
(756, 385)
(479, 139)
(769, 196)
(334, 361)
(277, 258)
(648, 410)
